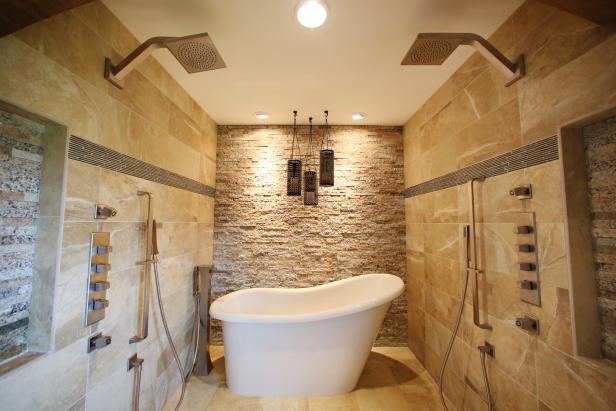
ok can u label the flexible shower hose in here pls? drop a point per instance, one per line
(164, 319)
(195, 336)
(485, 380)
(451, 341)
(450, 346)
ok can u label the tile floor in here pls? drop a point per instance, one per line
(392, 380)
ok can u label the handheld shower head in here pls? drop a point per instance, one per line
(435, 48)
(195, 53)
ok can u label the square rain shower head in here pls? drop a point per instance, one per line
(196, 53)
(432, 49)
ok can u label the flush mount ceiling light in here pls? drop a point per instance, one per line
(358, 116)
(261, 115)
(311, 13)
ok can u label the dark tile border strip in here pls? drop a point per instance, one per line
(529, 155)
(97, 155)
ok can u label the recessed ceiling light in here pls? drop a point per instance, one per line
(261, 115)
(312, 13)
(358, 116)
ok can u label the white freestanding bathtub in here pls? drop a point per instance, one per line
(306, 341)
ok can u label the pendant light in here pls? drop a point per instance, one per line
(310, 175)
(294, 166)
(326, 158)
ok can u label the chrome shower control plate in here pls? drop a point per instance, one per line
(97, 282)
(98, 341)
(523, 192)
(525, 233)
(103, 212)
(528, 324)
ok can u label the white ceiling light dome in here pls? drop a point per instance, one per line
(311, 13)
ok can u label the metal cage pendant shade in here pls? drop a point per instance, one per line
(294, 177)
(326, 159)
(311, 196)
(294, 166)
(326, 167)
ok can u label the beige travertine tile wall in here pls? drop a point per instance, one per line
(55, 68)
(265, 238)
(571, 71)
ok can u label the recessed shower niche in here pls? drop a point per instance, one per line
(589, 164)
(32, 170)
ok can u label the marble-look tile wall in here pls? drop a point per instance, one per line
(265, 238)
(55, 68)
(600, 144)
(21, 154)
(570, 72)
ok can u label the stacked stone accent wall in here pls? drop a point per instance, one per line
(20, 174)
(600, 144)
(264, 238)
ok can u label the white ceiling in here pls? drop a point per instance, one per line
(350, 64)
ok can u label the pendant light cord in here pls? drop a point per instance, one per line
(326, 134)
(295, 136)
(309, 155)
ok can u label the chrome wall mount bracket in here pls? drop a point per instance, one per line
(487, 348)
(136, 363)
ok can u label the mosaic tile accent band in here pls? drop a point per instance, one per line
(529, 155)
(97, 155)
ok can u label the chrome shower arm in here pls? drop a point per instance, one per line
(435, 48)
(195, 53)
(489, 52)
(510, 69)
(117, 73)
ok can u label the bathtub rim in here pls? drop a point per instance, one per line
(217, 312)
